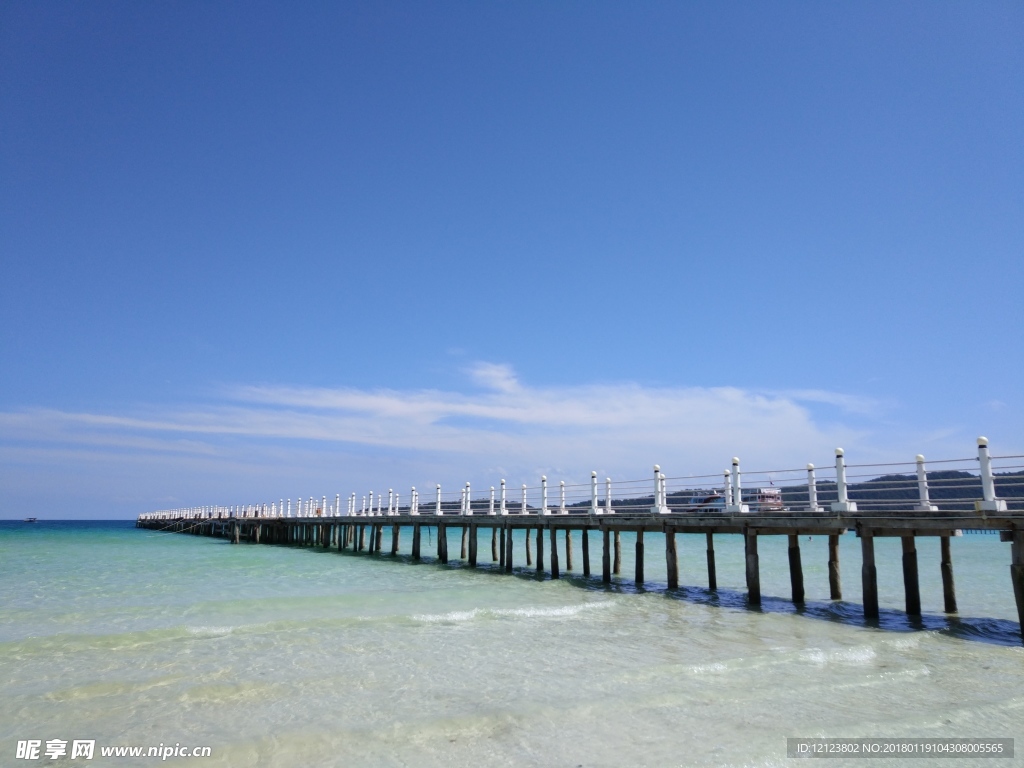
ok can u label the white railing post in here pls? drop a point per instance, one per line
(523, 510)
(337, 505)
(924, 504)
(289, 512)
(504, 506)
(391, 500)
(490, 509)
(727, 489)
(593, 494)
(362, 511)
(659, 507)
(413, 502)
(462, 502)
(437, 507)
(843, 503)
(608, 496)
(736, 492)
(989, 502)
(398, 501)
(812, 491)
(544, 495)
(561, 498)
(468, 509)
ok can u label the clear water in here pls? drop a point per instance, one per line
(286, 656)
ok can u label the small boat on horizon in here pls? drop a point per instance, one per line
(31, 519)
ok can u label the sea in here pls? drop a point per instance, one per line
(294, 656)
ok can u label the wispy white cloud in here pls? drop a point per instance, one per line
(398, 437)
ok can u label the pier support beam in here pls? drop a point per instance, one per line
(638, 575)
(671, 558)
(342, 537)
(442, 543)
(508, 549)
(796, 570)
(869, 575)
(362, 539)
(753, 568)
(585, 545)
(617, 561)
(501, 549)
(835, 584)
(540, 549)
(606, 556)
(473, 541)
(910, 580)
(236, 532)
(529, 552)
(1017, 574)
(948, 586)
(395, 532)
(494, 545)
(416, 539)
(712, 570)
(568, 550)
(465, 541)
(554, 554)
(380, 534)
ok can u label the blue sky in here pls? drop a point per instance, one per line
(254, 250)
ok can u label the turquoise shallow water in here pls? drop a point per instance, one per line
(281, 656)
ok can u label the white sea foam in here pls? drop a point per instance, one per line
(209, 631)
(859, 655)
(532, 612)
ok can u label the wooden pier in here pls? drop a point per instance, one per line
(365, 534)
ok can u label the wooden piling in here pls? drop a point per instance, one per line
(508, 549)
(362, 538)
(465, 542)
(639, 572)
(585, 548)
(395, 532)
(540, 549)
(494, 545)
(869, 575)
(380, 535)
(606, 557)
(671, 560)
(529, 553)
(342, 537)
(256, 533)
(568, 550)
(473, 536)
(796, 570)
(835, 584)
(501, 550)
(712, 570)
(351, 535)
(617, 562)
(416, 540)
(948, 586)
(1017, 574)
(236, 533)
(753, 568)
(910, 581)
(554, 554)
(442, 543)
